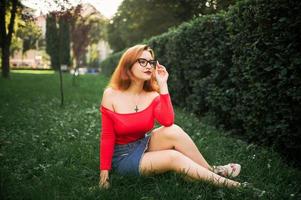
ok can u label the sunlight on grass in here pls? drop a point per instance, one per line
(33, 71)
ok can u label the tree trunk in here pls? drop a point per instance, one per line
(61, 87)
(6, 36)
(75, 72)
(5, 60)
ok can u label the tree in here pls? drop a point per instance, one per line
(58, 42)
(6, 33)
(80, 28)
(64, 38)
(135, 21)
(8, 10)
(79, 37)
(52, 40)
(96, 34)
(86, 29)
(30, 34)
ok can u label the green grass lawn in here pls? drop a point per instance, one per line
(49, 152)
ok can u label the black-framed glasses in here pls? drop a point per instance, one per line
(143, 62)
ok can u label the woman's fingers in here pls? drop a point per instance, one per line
(104, 180)
(161, 68)
(104, 177)
(104, 184)
(161, 73)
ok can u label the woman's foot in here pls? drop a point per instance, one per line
(231, 170)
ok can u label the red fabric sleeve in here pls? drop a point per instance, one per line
(107, 141)
(163, 110)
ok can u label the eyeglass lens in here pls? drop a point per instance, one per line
(143, 62)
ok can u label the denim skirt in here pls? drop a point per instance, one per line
(127, 157)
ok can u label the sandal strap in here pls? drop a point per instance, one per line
(226, 170)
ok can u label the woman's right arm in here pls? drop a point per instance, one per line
(104, 179)
(107, 139)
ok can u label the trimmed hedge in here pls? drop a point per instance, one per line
(194, 51)
(240, 66)
(266, 71)
(108, 65)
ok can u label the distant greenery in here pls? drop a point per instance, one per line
(48, 152)
(76, 31)
(135, 21)
(241, 68)
(30, 35)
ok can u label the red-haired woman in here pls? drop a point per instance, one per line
(136, 96)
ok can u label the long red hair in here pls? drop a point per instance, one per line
(122, 76)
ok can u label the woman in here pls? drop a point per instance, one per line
(136, 96)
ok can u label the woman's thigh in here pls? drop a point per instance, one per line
(158, 161)
(163, 138)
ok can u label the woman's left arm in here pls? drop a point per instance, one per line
(163, 111)
(161, 75)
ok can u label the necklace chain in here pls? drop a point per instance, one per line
(136, 103)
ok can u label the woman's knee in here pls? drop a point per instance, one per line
(177, 128)
(173, 132)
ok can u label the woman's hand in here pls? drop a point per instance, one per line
(104, 179)
(161, 76)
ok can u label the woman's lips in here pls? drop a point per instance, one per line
(148, 73)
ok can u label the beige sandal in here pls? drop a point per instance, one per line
(231, 170)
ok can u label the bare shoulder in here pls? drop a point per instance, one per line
(153, 94)
(108, 98)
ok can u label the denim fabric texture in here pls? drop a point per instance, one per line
(126, 157)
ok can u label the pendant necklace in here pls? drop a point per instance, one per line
(136, 107)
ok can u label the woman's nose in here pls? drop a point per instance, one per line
(148, 66)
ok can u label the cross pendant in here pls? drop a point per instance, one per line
(136, 109)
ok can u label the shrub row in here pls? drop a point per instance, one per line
(242, 66)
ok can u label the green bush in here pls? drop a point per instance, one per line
(266, 71)
(240, 66)
(108, 65)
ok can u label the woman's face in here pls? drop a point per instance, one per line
(143, 70)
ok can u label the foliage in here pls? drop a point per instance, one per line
(135, 21)
(108, 65)
(85, 30)
(93, 58)
(64, 39)
(17, 42)
(266, 60)
(242, 68)
(9, 11)
(97, 34)
(16, 45)
(52, 40)
(30, 35)
(7, 32)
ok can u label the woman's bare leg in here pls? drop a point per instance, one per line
(173, 137)
(172, 160)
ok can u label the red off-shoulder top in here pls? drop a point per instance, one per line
(123, 128)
